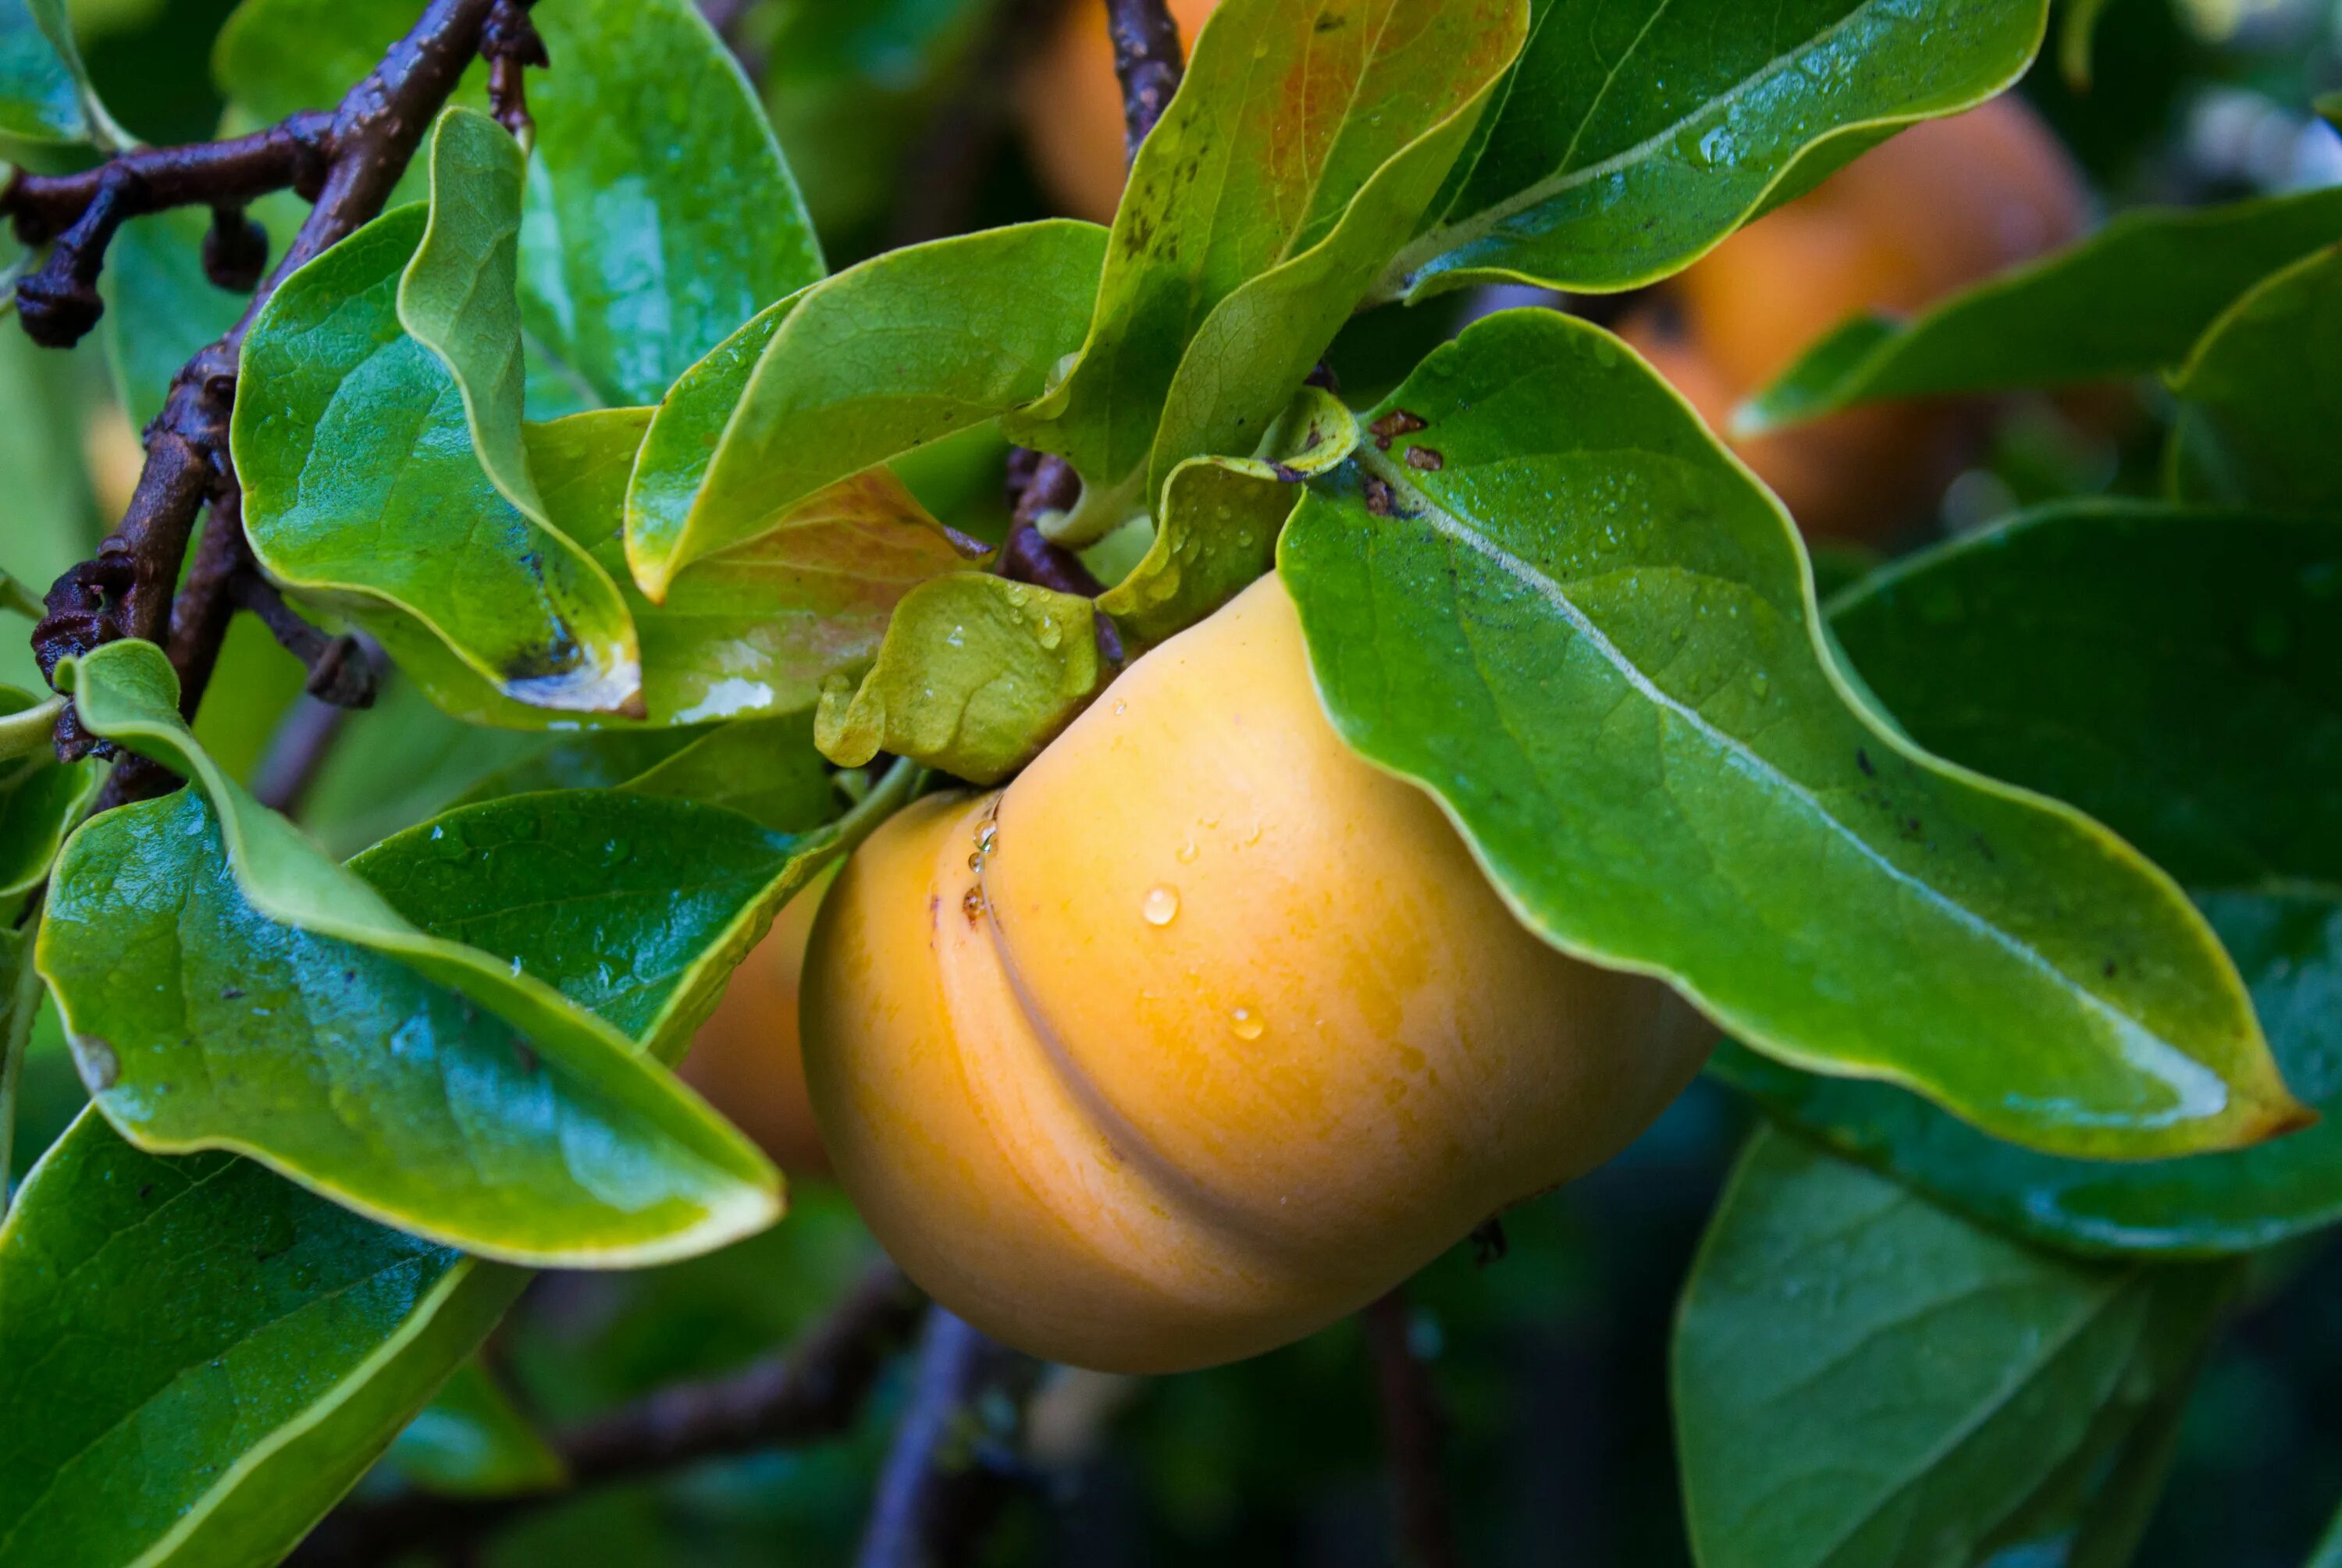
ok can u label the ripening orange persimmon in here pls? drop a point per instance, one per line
(1939, 206)
(1069, 105)
(1203, 1032)
(745, 1058)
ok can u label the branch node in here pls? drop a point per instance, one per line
(511, 44)
(60, 303)
(236, 250)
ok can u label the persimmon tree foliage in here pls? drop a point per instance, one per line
(490, 359)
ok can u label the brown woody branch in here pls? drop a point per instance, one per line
(1148, 62)
(349, 161)
(511, 44)
(943, 1484)
(1414, 1426)
(816, 1391)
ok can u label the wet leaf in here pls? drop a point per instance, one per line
(199, 1358)
(2171, 672)
(903, 349)
(363, 492)
(1592, 636)
(45, 97)
(1304, 144)
(225, 985)
(977, 675)
(1221, 516)
(1861, 1378)
(1633, 137)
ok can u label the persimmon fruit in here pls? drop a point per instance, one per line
(745, 1058)
(1203, 1032)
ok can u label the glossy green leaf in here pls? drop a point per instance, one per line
(2170, 671)
(471, 1442)
(630, 275)
(750, 629)
(45, 96)
(2258, 404)
(907, 348)
(1862, 1379)
(625, 278)
(1302, 146)
(2131, 300)
(767, 770)
(1633, 137)
(1573, 618)
(459, 296)
(227, 987)
(199, 1358)
(614, 899)
(1221, 516)
(363, 492)
(977, 675)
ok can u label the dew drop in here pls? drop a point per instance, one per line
(1160, 907)
(1187, 853)
(1246, 1024)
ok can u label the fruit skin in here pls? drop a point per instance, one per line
(745, 1058)
(1143, 1138)
(1939, 206)
(1069, 108)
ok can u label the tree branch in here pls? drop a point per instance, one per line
(941, 1488)
(127, 591)
(1413, 1428)
(1147, 61)
(816, 1391)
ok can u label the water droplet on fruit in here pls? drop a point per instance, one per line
(1245, 1024)
(1187, 853)
(1160, 907)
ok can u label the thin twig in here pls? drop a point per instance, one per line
(944, 1483)
(1148, 60)
(815, 1392)
(511, 44)
(1413, 1429)
(127, 590)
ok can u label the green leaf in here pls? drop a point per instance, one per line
(2131, 300)
(2257, 407)
(1302, 146)
(754, 629)
(627, 277)
(767, 770)
(471, 1442)
(1633, 137)
(616, 899)
(160, 308)
(227, 987)
(903, 349)
(45, 97)
(26, 726)
(2170, 671)
(349, 434)
(1577, 621)
(52, 522)
(1861, 1379)
(20, 1001)
(40, 799)
(1221, 516)
(2077, 30)
(199, 1358)
(630, 275)
(977, 675)
(459, 298)
(17, 599)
